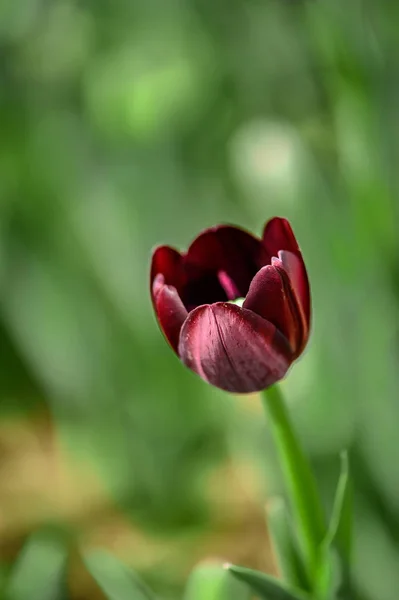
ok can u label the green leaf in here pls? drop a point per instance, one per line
(329, 578)
(285, 545)
(114, 578)
(265, 586)
(40, 572)
(340, 527)
(333, 579)
(210, 581)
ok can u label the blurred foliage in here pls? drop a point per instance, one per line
(129, 123)
(40, 570)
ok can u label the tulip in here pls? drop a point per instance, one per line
(239, 348)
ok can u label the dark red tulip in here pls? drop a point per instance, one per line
(237, 349)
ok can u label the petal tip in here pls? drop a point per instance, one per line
(170, 311)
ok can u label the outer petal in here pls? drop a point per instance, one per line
(295, 268)
(228, 251)
(268, 297)
(233, 348)
(278, 235)
(169, 309)
(169, 263)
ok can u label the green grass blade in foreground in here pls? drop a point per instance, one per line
(40, 572)
(210, 581)
(333, 580)
(285, 545)
(300, 482)
(114, 578)
(340, 527)
(264, 586)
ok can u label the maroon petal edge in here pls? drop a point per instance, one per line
(169, 309)
(296, 270)
(278, 235)
(168, 262)
(233, 348)
(267, 297)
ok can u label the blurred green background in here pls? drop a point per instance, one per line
(130, 123)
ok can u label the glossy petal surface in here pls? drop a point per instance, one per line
(233, 348)
(268, 298)
(168, 262)
(296, 270)
(279, 240)
(169, 309)
(278, 235)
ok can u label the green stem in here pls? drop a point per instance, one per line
(300, 482)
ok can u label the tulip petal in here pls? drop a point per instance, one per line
(233, 348)
(296, 271)
(278, 235)
(224, 254)
(268, 298)
(169, 309)
(279, 240)
(169, 263)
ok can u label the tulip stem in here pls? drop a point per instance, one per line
(300, 482)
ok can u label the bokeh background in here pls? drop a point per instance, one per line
(130, 123)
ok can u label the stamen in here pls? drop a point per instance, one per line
(228, 285)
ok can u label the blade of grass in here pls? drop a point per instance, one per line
(265, 586)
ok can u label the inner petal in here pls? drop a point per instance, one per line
(220, 265)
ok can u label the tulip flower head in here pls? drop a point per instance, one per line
(234, 308)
